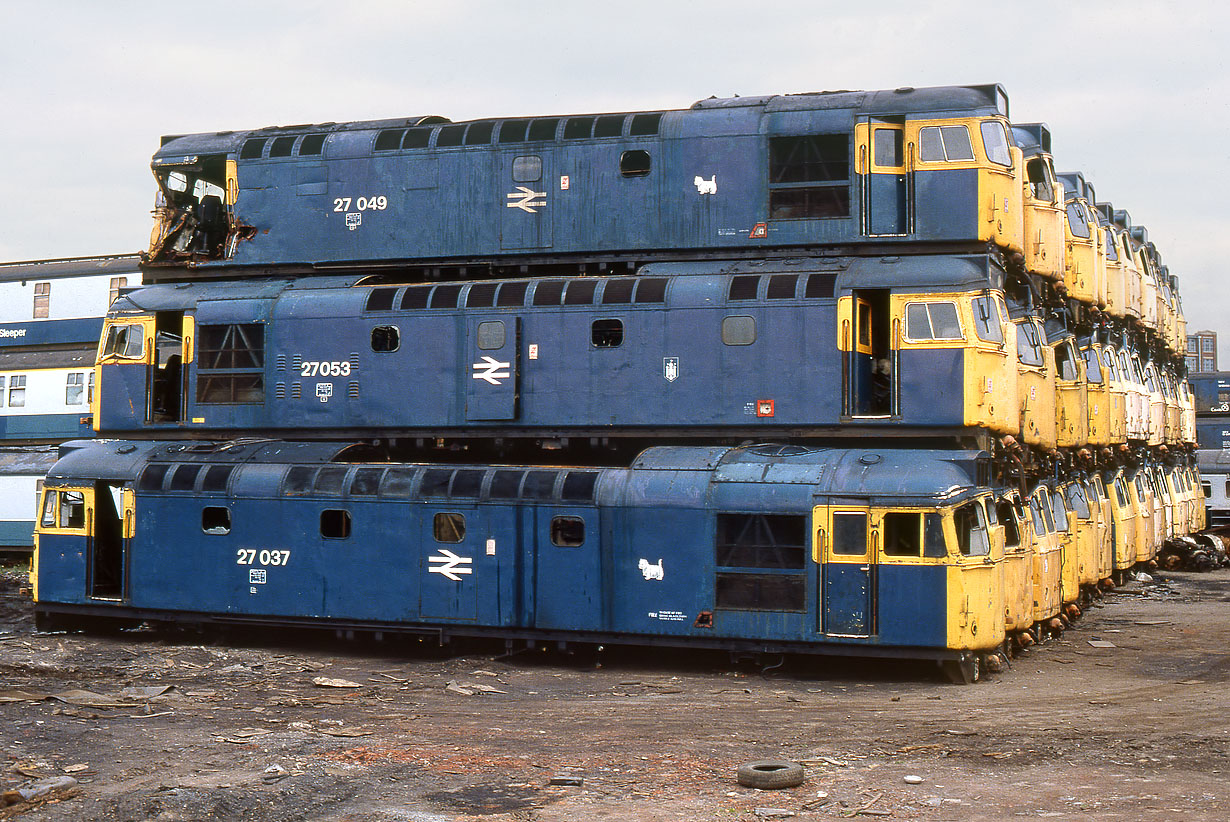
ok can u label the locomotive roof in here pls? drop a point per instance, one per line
(783, 476)
(940, 100)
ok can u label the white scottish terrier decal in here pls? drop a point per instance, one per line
(651, 571)
(704, 186)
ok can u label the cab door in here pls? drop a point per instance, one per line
(869, 364)
(493, 366)
(123, 374)
(846, 542)
(884, 174)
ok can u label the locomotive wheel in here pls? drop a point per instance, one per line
(770, 774)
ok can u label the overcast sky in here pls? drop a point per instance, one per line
(1135, 93)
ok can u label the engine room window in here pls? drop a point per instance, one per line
(760, 543)
(230, 363)
(491, 335)
(932, 321)
(447, 527)
(335, 523)
(635, 163)
(216, 520)
(527, 169)
(567, 532)
(607, 333)
(738, 330)
(386, 338)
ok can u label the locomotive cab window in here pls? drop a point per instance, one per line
(126, 341)
(939, 144)
(908, 534)
(986, 320)
(970, 522)
(1041, 184)
(932, 321)
(995, 142)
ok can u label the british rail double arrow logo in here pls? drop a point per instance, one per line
(448, 564)
(524, 199)
(492, 370)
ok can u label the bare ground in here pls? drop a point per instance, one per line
(236, 728)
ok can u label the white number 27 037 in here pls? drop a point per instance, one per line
(250, 556)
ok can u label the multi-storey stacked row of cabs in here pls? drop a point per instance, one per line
(556, 337)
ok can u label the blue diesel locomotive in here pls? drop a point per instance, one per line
(764, 548)
(907, 168)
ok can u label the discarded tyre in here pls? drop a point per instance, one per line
(770, 774)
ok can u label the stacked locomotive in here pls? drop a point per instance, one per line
(617, 378)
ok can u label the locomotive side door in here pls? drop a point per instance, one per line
(846, 544)
(525, 196)
(493, 364)
(869, 357)
(883, 168)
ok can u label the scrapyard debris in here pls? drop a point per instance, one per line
(326, 682)
(274, 773)
(37, 789)
(1195, 552)
(471, 688)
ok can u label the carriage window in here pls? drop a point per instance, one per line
(17, 391)
(986, 320)
(932, 321)
(938, 144)
(971, 528)
(386, 338)
(1205, 485)
(74, 391)
(216, 520)
(527, 169)
(335, 523)
(491, 335)
(42, 300)
(567, 532)
(607, 333)
(634, 163)
(449, 527)
(995, 141)
(738, 330)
